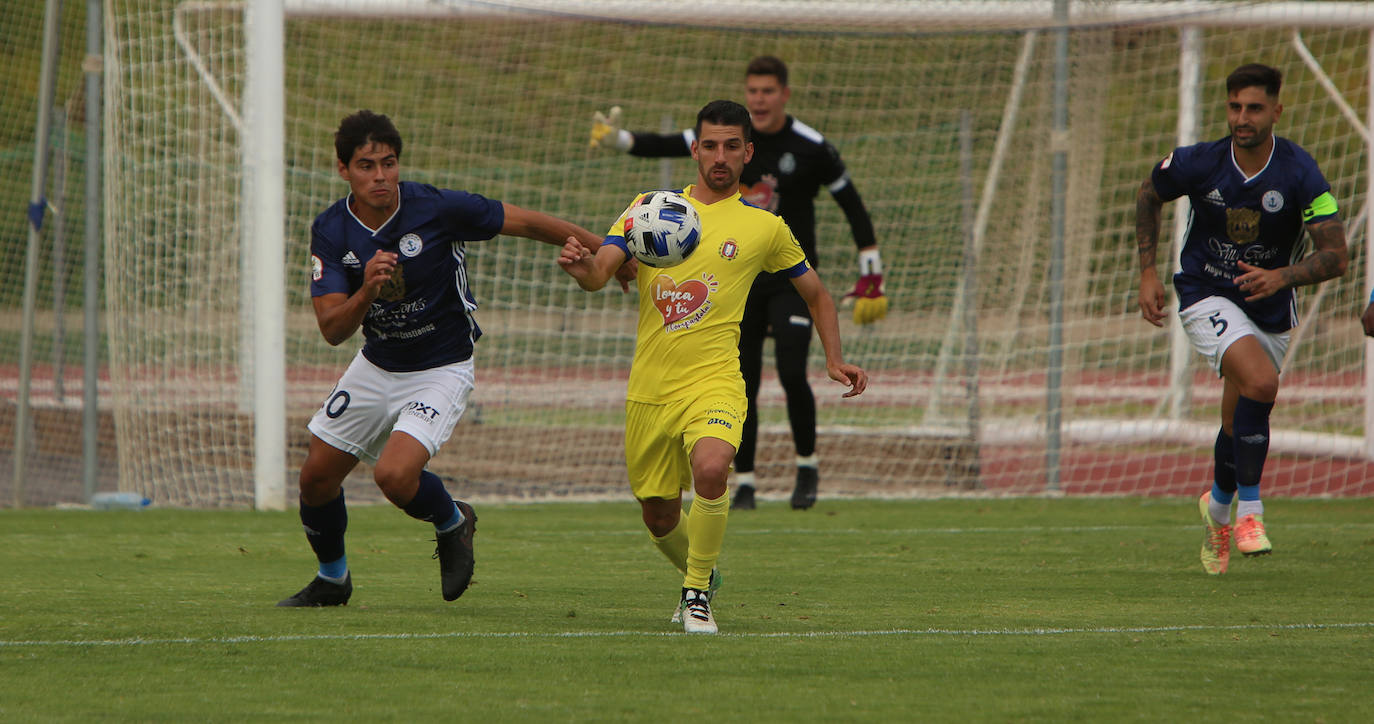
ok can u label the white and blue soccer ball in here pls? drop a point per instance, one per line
(662, 229)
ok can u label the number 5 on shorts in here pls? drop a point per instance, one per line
(1218, 323)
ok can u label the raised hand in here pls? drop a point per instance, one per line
(868, 300)
(607, 131)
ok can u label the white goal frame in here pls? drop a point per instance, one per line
(263, 118)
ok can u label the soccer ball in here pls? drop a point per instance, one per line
(662, 229)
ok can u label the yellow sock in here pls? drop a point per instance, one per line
(673, 546)
(705, 535)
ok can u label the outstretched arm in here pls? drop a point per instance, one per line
(1328, 260)
(608, 131)
(1147, 213)
(828, 329)
(542, 227)
(553, 230)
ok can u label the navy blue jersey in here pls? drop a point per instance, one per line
(1258, 220)
(423, 316)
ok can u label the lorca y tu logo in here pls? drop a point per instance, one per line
(682, 305)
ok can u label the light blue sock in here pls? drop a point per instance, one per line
(335, 571)
(453, 521)
(1222, 497)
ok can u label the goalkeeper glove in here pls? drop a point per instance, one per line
(607, 133)
(869, 303)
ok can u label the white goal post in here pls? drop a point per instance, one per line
(223, 113)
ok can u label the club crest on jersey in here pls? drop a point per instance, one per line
(1242, 225)
(682, 305)
(1272, 200)
(411, 245)
(729, 250)
(788, 163)
(394, 288)
(316, 268)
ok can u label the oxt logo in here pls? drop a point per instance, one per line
(421, 410)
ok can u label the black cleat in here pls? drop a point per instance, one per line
(744, 498)
(454, 551)
(320, 592)
(804, 495)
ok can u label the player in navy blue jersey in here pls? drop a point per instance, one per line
(390, 258)
(791, 163)
(1253, 195)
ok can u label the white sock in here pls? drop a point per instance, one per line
(1249, 507)
(744, 480)
(1221, 513)
(810, 461)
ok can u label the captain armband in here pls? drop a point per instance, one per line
(1324, 205)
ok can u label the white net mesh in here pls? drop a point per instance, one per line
(53, 469)
(500, 104)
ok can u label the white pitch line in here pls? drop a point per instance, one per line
(736, 531)
(664, 634)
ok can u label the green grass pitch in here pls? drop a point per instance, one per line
(941, 610)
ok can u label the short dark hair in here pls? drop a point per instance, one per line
(1253, 75)
(361, 128)
(768, 65)
(725, 113)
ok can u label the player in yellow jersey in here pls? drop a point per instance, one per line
(685, 405)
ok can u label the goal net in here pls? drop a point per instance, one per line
(944, 114)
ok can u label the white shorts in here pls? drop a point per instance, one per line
(1213, 324)
(368, 404)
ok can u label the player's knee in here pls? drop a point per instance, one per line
(793, 380)
(317, 488)
(709, 476)
(660, 519)
(792, 369)
(1263, 390)
(396, 482)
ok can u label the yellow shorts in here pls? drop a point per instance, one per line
(659, 438)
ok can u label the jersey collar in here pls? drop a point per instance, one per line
(687, 194)
(786, 126)
(1247, 179)
(348, 204)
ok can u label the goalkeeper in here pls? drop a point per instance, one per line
(791, 163)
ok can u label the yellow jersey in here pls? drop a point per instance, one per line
(689, 314)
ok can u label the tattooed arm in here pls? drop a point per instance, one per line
(1147, 214)
(1328, 260)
